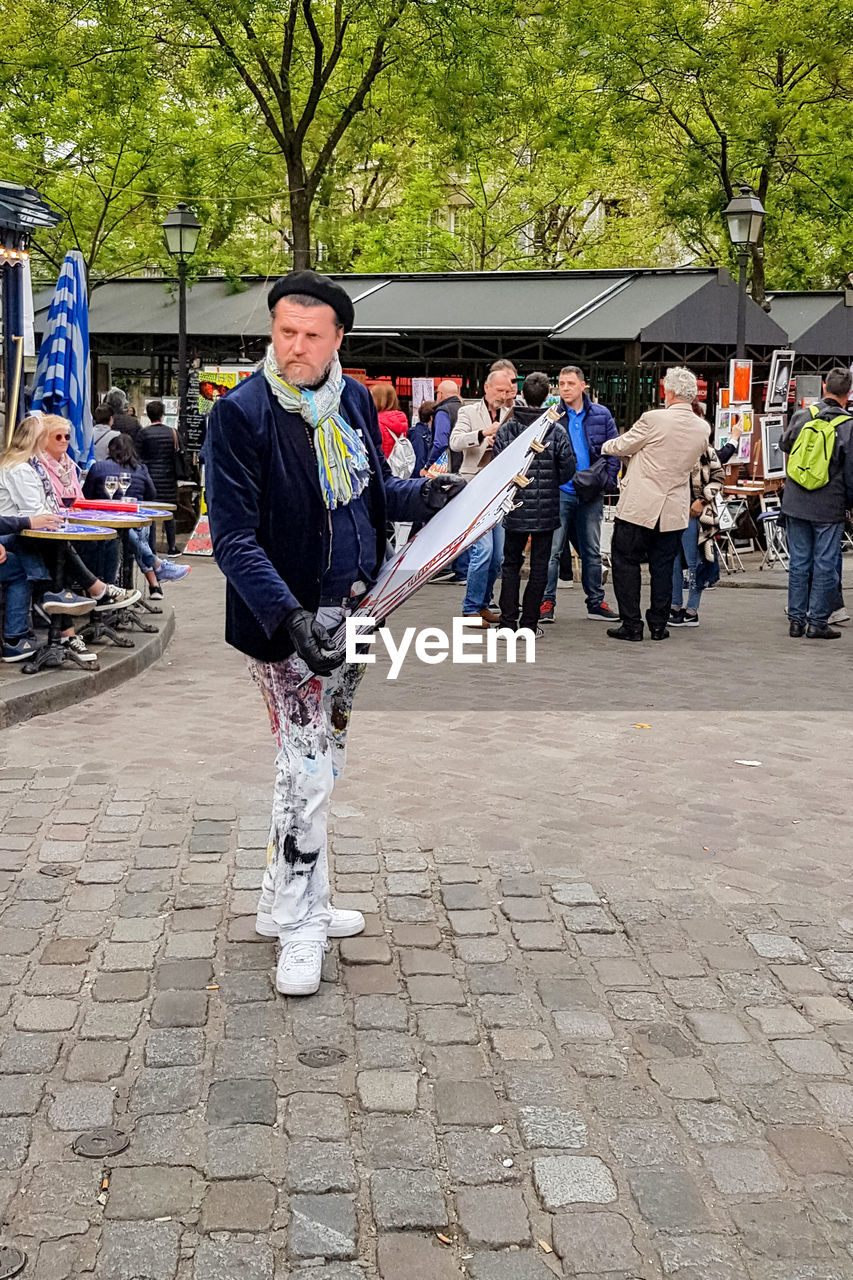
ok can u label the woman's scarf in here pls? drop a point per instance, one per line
(342, 461)
(51, 500)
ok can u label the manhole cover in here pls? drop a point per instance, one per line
(12, 1261)
(325, 1056)
(98, 1143)
(54, 870)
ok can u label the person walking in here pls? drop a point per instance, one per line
(473, 436)
(698, 548)
(588, 425)
(818, 490)
(299, 496)
(663, 447)
(537, 512)
(158, 447)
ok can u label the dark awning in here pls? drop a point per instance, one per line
(691, 306)
(817, 324)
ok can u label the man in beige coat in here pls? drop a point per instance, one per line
(654, 504)
(474, 435)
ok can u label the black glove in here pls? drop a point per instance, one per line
(438, 490)
(313, 642)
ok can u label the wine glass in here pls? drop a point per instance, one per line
(124, 480)
(67, 500)
(110, 486)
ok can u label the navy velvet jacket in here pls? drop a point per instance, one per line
(267, 516)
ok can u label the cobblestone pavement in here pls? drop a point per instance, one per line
(599, 1025)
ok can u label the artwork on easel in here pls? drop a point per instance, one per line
(779, 381)
(736, 415)
(740, 381)
(772, 427)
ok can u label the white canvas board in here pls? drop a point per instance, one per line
(482, 503)
(779, 381)
(772, 427)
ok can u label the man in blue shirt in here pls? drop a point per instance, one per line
(588, 425)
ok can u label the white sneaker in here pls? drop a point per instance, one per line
(840, 615)
(116, 598)
(299, 968)
(78, 648)
(344, 924)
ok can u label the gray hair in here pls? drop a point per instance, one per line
(575, 369)
(116, 399)
(681, 383)
(502, 366)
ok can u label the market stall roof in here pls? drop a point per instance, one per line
(817, 324)
(686, 305)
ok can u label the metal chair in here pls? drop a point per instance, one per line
(729, 554)
(776, 542)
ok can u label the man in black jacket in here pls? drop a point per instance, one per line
(538, 512)
(814, 518)
(158, 449)
(299, 495)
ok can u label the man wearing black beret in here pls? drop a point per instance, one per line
(299, 497)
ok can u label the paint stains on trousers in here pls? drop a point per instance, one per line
(309, 719)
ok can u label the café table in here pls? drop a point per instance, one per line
(122, 522)
(53, 653)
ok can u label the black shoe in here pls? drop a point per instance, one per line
(676, 617)
(622, 633)
(659, 633)
(796, 629)
(822, 633)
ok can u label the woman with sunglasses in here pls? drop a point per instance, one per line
(26, 490)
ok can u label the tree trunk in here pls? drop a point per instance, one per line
(758, 284)
(300, 222)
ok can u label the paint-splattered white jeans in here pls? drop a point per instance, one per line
(309, 721)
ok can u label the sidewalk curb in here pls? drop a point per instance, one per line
(27, 696)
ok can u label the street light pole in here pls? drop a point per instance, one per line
(744, 216)
(740, 341)
(181, 231)
(182, 345)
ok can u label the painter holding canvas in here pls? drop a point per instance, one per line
(299, 495)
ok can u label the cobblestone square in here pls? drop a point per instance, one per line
(598, 1024)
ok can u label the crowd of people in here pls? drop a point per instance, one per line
(669, 481)
(305, 474)
(39, 483)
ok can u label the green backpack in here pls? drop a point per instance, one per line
(809, 459)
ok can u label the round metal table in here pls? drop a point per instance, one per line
(53, 653)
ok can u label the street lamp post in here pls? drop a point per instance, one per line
(181, 231)
(745, 216)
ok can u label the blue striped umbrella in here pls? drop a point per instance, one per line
(62, 374)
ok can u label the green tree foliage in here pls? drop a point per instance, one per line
(704, 95)
(391, 135)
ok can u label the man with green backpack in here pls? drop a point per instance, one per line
(818, 491)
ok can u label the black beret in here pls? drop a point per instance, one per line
(315, 286)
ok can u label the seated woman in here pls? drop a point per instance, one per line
(26, 490)
(122, 456)
(17, 645)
